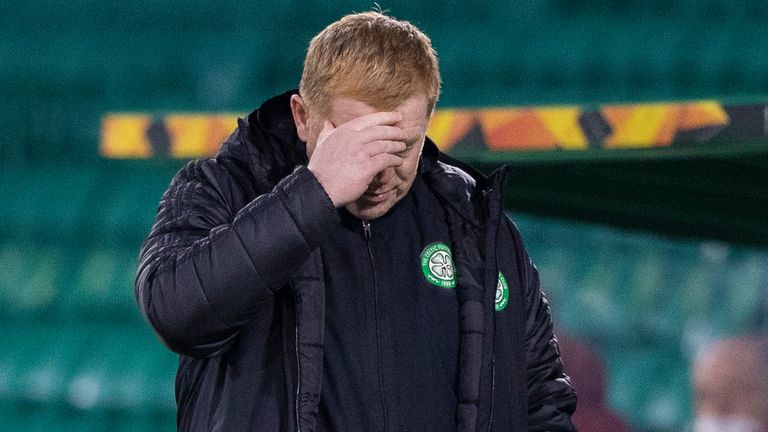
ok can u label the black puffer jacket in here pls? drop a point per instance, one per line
(231, 279)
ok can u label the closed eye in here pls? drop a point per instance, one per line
(409, 145)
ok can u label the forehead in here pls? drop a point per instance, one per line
(414, 112)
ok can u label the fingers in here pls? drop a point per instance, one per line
(384, 146)
(364, 136)
(374, 119)
(383, 161)
(382, 133)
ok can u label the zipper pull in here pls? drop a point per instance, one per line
(366, 230)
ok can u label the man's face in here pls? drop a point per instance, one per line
(388, 186)
(729, 393)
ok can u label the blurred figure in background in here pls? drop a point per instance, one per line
(586, 371)
(731, 390)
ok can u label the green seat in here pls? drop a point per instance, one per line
(87, 377)
(44, 203)
(28, 417)
(48, 357)
(101, 287)
(67, 283)
(127, 205)
(50, 418)
(161, 421)
(126, 369)
(29, 280)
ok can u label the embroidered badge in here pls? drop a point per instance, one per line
(437, 265)
(502, 293)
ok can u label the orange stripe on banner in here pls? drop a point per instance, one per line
(192, 135)
(448, 126)
(508, 129)
(123, 136)
(702, 114)
(195, 135)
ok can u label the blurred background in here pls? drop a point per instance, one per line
(656, 253)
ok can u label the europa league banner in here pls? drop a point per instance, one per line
(473, 131)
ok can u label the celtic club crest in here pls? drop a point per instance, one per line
(437, 265)
(502, 293)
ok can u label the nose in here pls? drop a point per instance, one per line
(384, 177)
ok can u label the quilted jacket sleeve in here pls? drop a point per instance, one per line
(205, 269)
(551, 397)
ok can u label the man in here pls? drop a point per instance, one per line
(731, 391)
(586, 370)
(330, 270)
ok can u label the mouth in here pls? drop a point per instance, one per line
(377, 197)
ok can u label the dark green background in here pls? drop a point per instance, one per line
(75, 354)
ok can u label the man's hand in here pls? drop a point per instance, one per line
(346, 158)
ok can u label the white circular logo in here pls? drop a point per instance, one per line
(441, 265)
(437, 265)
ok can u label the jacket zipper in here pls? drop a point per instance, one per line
(298, 365)
(367, 236)
(493, 388)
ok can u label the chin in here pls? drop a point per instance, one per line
(369, 213)
(366, 211)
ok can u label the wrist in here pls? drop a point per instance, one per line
(323, 182)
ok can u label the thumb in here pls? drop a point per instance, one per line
(328, 127)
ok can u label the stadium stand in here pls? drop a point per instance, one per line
(75, 353)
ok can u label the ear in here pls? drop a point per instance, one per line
(300, 116)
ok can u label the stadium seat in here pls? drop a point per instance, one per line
(102, 287)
